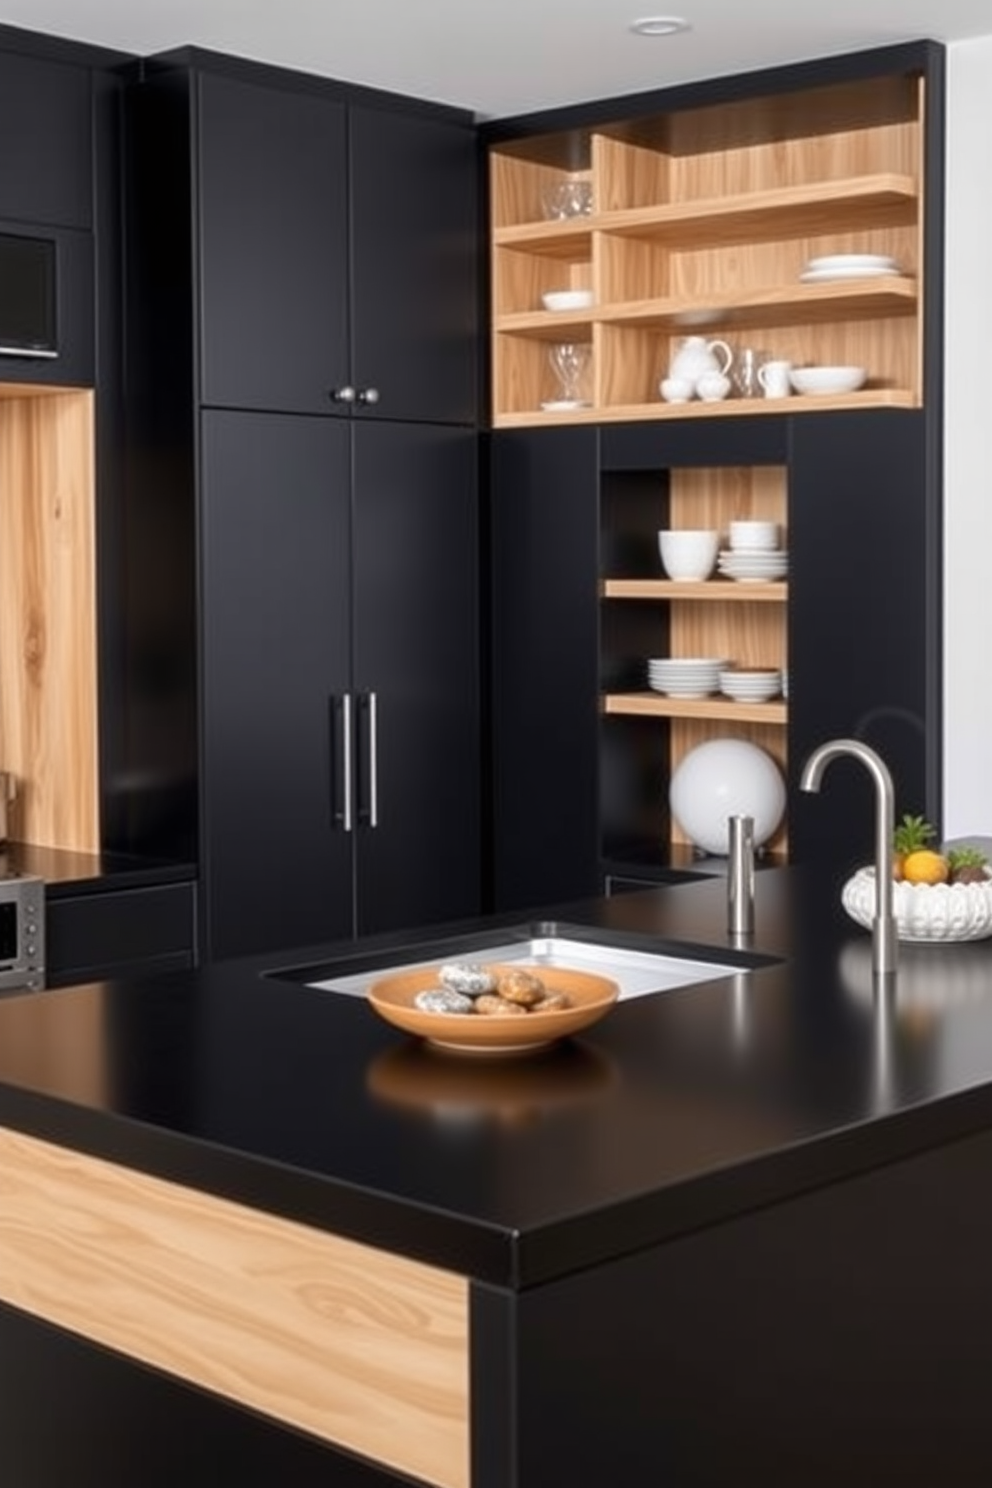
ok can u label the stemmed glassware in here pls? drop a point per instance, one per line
(570, 363)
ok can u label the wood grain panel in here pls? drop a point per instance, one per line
(363, 1349)
(627, 175)
(713, 591)
(48, 665)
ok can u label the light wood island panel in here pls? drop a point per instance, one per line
(361, 1348)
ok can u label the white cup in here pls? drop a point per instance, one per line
(688, 555)
(754, 535)
(774, 378)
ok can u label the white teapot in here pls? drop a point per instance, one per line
(696, 356)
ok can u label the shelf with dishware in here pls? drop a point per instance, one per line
(710, 591)
(794, 219)
(693, 633)
(651, 705)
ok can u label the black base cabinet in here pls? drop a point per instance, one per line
(340, 688)
(580, 797)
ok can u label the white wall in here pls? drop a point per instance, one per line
(968, 443)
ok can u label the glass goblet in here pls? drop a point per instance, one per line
(570, 362)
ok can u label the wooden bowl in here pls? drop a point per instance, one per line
(590, 997)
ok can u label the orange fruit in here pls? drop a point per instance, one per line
(925, 867)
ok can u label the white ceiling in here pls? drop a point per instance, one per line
(504, 57)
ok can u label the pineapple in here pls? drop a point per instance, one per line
(967, 865)
(913, 834)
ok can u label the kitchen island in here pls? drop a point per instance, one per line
(738, 1232)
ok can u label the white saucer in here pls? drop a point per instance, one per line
(853, 260)
(827, 276)
(565, 405)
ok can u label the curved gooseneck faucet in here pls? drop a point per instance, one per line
(884, 938)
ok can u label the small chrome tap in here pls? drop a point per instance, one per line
(883, 931)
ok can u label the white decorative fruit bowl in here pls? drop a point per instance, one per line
(925, 912)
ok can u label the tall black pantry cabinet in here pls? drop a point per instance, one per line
(303, 319)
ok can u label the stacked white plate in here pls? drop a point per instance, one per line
(751, 684)
(686, 676)
(833, 266)
(753, 565)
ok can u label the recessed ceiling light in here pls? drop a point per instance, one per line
(659, 26)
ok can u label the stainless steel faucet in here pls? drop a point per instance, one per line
(883, 932)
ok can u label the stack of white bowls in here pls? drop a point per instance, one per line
(751, 684)
(685, 676)
(754, 555)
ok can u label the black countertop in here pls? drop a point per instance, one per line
(68, 872)
(676, 1111)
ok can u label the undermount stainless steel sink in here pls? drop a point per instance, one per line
(637, 972)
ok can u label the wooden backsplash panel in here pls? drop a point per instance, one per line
(48, 660)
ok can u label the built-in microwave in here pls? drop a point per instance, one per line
(28, 296)
(22, 932)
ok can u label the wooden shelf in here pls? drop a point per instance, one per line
(719, 591)
(729, 408)
(847, 299)
(656, 705)
(818, 207)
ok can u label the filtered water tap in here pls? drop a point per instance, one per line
(883, 931)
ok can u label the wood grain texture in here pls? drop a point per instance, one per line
(48, 649)
(708, 217)
(712, 591)
(361, 1348)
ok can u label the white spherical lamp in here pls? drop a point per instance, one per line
(723, 778)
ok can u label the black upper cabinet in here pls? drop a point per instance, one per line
(46, 165)
(337, 255)
(273, 247)
(414, 258)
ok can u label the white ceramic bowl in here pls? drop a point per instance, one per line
(827, 379)
(751, 684)
(689, 554)
(924, 912)
(753, 535)
(567, 299)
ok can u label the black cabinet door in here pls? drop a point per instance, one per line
(414, 257)
(46, 163)
(273, 247)
(865, 649)
(416, 674)
(545, 659)
(276, 857)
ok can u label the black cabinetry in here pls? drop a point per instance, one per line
(46, 165)
(337, 255)
(339, 771)
(583, 794)
(292, 245)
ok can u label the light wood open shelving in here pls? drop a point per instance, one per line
(703, 220)
(657, 705)
(646, 615)
(712, 591)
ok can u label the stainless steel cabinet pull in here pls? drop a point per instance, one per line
(343, 395)
(342, 813)
(368, 395)
(373, 760)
